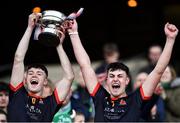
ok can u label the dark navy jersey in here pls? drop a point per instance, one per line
(24, 107)
(125, 109)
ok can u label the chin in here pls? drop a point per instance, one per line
(115, 94)
(33, 90)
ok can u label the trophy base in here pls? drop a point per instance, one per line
(48, 39)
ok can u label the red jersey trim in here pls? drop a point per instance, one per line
(35, 96)
(56, 96)
(142, 94)
(17, 87)
(95, 89)
(114, 98)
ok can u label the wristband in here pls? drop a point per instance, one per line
(73, 33)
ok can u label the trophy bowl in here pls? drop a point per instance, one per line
(50, 22)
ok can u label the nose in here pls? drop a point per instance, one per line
(115, 78)
(34, 75)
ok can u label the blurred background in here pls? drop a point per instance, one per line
(133, 24)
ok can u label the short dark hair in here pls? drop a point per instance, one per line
(40, 66)
(118, 66)
(4, 86)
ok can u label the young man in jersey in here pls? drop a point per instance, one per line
(115, 104)
(26, 102)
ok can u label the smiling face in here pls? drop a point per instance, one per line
(117, 81)
(35, 79)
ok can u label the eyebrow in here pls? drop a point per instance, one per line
(39, 71)
(117, 74)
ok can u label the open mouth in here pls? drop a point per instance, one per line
(34, 82)
(115, 86)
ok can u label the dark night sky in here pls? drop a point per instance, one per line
(133, 29)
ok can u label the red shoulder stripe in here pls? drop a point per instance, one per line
(95, 90)
(142, 94)
(17, 87)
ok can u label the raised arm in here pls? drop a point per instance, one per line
(82, 58)
(154, 77)
(63, 86)
(18, 66)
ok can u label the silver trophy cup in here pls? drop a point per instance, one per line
(49, 23)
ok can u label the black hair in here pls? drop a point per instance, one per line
(4, 86)
(40, 66)
(118, 66)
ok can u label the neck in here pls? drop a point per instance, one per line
(120, 96)
(37, 95)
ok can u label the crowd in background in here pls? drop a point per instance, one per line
(78, 106)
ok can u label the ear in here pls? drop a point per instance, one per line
(25, 79)
(45, 81)
(25, 74)
(127, 80)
